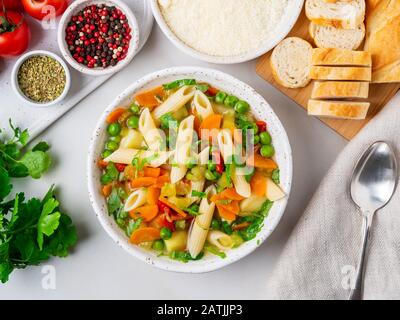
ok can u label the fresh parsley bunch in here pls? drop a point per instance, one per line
(34, 230)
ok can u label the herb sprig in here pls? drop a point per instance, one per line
(31, 231)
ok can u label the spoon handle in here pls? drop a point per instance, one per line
(357, 291)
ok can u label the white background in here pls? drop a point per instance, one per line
(98, 268)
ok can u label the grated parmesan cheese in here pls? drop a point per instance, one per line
(223, 27)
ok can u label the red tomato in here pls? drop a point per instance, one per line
(262, 126)
(39, 8)
(14, 34)
(120, 167)
(162, 221)
(11, 5)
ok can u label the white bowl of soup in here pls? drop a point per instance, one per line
(189, 169)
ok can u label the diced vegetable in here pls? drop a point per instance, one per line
(146, 234)
(152, 195)
(114, 115)
(210, 125)
(151, 172)
(258, 184)
(173, 207)
(148, 98)
(147, 213)
(260, 162)
(143, 182)
(177, 242)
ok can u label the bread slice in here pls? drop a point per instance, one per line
(383, 40)
(290, 62)
(340, 90)
(338, 109)
(339, 14)
(331, 37)
(340, 57)
(341, 73)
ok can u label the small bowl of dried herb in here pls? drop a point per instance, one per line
(41, 78)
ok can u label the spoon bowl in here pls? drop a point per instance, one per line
(374, 177)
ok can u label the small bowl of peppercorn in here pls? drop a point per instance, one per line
(40, 78)
(98, 37)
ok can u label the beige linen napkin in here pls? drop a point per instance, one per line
(321, 254)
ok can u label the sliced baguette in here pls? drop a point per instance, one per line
(338, 109)
(339, 14)
(340, 57)
(340, 90)
(331, 37)
(341, 73)
(290, 62)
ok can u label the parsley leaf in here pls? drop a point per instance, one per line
(36, 162)
(198, 194)
(48, 221)
(5, 185)
(179, 83)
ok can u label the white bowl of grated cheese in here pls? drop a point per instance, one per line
(225, 31)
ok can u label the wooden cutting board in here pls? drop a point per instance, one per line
(379, 95)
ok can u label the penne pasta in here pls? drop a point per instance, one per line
(174, 102)
(219, 239)
(148, 129)
(203, 156)
(200, 226)
(249, 205)
(227, 149)
(135, 200)
(225, 143)
(126, 156)
(241, 185)
(182, 151)
(202, 105)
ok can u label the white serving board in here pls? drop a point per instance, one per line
(38, 119)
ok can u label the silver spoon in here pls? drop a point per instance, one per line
(372, 186)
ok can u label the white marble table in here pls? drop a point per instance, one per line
(98, 269)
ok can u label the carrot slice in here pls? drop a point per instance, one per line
(227, 194)
(147, 98)
(145, 235)
(161, 180)
(153, 194)
(106, 190)
(259, 161)
(173, 207)
(114, 115)
(148, 213)
(143, 182)
(210, 126)
(102, 164)
(225, 212)
(151, 172)
(258, 184)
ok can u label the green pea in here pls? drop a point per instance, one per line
(215, 224)
(191, 163)
(165, 233)
(111, 145)
(211, 165)
(230, 101)
(117, 139)
(105, 179)
(265, 138)
(242, 106)
(133, 122)
(267, 151)
(180, 225)
(114, 129)
(256, 139)
(210, 175)
(135, 108)
(158, 245)
(106, 154)
(220, 97)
